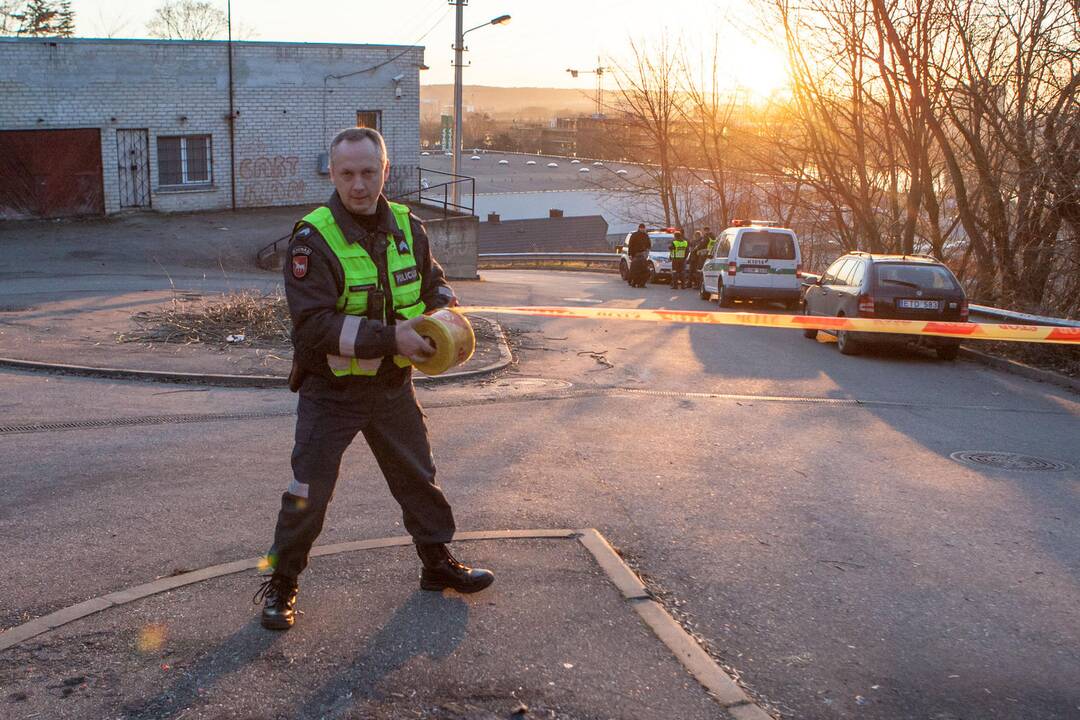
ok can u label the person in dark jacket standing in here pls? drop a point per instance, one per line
(639, 241)
(637, 250)
(358, 278)
(698, 253)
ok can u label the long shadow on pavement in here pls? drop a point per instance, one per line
(428, 624)
(236, 653)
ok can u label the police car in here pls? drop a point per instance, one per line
(659, 254)
(754, 260)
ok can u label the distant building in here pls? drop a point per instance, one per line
(555, 233)
(94, 127)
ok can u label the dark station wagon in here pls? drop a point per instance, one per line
(894, 287)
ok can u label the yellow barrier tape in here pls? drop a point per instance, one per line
(962, 330)
(452, 335)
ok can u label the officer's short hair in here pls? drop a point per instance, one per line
(356, 134)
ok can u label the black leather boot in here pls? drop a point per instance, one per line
(278, 594)
(441, 570)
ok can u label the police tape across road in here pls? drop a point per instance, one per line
(960, 330)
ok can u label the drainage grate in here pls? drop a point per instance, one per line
(1009, 461)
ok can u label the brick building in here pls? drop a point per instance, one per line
(93, 127)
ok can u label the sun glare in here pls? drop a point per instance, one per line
(760, 71)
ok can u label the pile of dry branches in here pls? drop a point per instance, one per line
(261, 319)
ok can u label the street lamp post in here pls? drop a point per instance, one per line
(459, 48)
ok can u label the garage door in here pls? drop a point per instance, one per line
(50, 173)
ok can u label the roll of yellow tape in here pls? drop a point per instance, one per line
(452, 335)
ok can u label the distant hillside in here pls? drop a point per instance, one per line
(524, 103)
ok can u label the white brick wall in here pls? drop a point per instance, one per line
(288, 103)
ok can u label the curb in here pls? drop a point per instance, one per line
(1019, 368)
(720, 686)
(248, 381)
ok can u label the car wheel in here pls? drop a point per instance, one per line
(947, 352)
(624, 270)
(723, 298)
(846, 344)
(705, 294)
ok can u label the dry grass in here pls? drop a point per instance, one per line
(1064, 359)
(263, 320)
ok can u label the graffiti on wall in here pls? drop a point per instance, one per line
(270, 180)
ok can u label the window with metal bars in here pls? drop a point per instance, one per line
(184, 160)
(369, 119)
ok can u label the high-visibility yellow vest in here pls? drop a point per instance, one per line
(678, 249)
(362, 277)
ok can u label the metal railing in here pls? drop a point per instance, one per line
(1019, 318)
(424, 194)
(428, 194)
(611, 261)
(607, 261)
(269, 251)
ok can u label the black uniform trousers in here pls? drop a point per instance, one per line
(678, 269)
(329, 416)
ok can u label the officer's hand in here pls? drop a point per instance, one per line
(409, 343)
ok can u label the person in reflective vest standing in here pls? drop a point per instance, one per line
(678, 252)
(359, 275)
(710, 241)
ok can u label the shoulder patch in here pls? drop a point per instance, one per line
(300, 265)
(300, 250)
(302, 233)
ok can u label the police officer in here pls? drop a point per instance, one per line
(639, 244)
(359, 276)
(677, 253)
(710, 241)
(697, 259)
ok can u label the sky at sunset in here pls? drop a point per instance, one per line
(534, 49)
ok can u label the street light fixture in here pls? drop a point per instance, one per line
(459, 47)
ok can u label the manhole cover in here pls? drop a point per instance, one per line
(1009, 461)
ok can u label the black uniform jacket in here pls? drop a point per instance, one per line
(639, 242)
(314, 280)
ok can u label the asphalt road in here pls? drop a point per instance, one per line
(796, 508)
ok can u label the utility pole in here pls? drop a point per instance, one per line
(459, 47)
(232, 115)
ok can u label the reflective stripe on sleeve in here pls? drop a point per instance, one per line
(347, 340)
(340, 362)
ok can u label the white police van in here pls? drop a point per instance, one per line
(659, 254)
(754, 260)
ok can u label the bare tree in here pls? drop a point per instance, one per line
(944, 125)
(9, 16)
(39, 18)
(187, 20)
(708, 114)
(648, 102)
(112, 25)
(1006, 126)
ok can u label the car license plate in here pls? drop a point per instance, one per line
(755, 269)
(919, 304)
